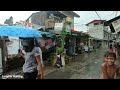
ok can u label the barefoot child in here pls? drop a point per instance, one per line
(109, 69)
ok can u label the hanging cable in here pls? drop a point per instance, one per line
(79, 24)
(110, 15)
(116, 13)
(100, 18)
(98, 15)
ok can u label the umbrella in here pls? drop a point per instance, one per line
(17, 31)
(48, 34)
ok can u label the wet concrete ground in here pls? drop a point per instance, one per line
(85, 66)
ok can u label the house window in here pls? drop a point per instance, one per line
(102, 22)
(96, 23)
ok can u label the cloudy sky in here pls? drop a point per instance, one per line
(85, 17)
(17, 15)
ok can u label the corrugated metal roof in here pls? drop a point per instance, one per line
(95, 21)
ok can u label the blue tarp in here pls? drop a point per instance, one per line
(17, 31)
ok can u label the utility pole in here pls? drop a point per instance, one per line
(2, 55)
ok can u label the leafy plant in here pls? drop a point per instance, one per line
(61, 41)
(51, 58)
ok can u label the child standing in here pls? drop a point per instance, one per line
(109, 69)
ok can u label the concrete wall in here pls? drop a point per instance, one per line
(41, 19)
(99, 31)
(106, 33)
(96, 31)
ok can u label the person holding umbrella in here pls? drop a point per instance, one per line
(33, 66)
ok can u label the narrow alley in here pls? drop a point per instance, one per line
(53, 38)
(85, 66)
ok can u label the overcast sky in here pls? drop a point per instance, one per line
(17, 15)
(85, 17)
